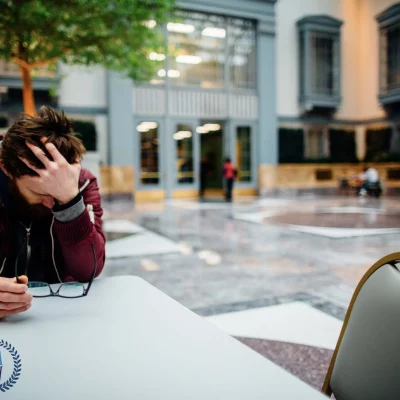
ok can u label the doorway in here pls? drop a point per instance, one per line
(211, 152)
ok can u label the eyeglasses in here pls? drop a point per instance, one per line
(68, 290)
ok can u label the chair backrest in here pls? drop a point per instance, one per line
(366, 361)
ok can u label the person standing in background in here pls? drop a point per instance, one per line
(230, 173)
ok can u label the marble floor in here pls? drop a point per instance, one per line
(276, 273)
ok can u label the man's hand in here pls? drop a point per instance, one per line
(59, 178)
(13, 296)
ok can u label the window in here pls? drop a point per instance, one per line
(393, 58)
(319, 62)
(149, 153)
(243, 153)
(242, 47)
(389, 25)
(316, 142)
(201, 46)
(323, 56)
(197, 45)
(183, 137)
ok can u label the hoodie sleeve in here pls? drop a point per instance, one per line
(77, 228)
(71, 210)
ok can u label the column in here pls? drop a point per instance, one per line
(267, 129)
(120, 120)
(121, 136)
(361, 145)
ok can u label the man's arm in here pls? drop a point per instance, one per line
(73, 227)
(75, 234)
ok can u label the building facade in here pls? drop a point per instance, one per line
(264, 82)
(214, 97)
(337, 67)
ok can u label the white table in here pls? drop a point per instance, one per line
(128, 340)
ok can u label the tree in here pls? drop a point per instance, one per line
(118, 34)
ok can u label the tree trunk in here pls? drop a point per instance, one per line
(27, 91)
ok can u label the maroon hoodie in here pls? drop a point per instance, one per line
(61, 244)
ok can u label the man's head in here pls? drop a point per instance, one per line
(56, 129)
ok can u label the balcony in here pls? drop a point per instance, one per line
(319, 63)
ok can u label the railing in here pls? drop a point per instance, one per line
(11, 69)
(193, 102)
(244, 105)
(149, 101)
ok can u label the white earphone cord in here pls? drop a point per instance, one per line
(2, 267)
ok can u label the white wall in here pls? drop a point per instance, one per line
(82, 86)
(351, 81)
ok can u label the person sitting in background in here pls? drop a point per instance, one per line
(50, 210)
(370, 177)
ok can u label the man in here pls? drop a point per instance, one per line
(50, 209)
(370, 177)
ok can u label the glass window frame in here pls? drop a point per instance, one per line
(194, 123)
(228, 84)
(309, 29)
(161, 171)
(384, 66)
(230, 77)
(315, 62)
(254, 155)
(387, 20)
(321, 137)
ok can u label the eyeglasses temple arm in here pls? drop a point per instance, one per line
(94, 270)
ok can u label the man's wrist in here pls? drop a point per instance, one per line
(71, 210)
(63, 206)
(68, 197)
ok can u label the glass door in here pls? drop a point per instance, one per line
(184, 163)
(212, 153)
(148, 165)
(243, 142)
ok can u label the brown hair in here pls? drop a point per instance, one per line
(49, 124)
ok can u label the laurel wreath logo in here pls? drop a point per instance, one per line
(17, 366)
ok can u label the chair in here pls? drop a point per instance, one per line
(344, 186)
(366, 362)
(374, 189)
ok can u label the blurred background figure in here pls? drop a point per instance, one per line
(230, 173)
(204, 171)
(371, 184)
(186, 171)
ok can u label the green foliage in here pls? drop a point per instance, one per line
(378, 144)
(342, 145)
(291, 145)
(86, 131)
(114, 34)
